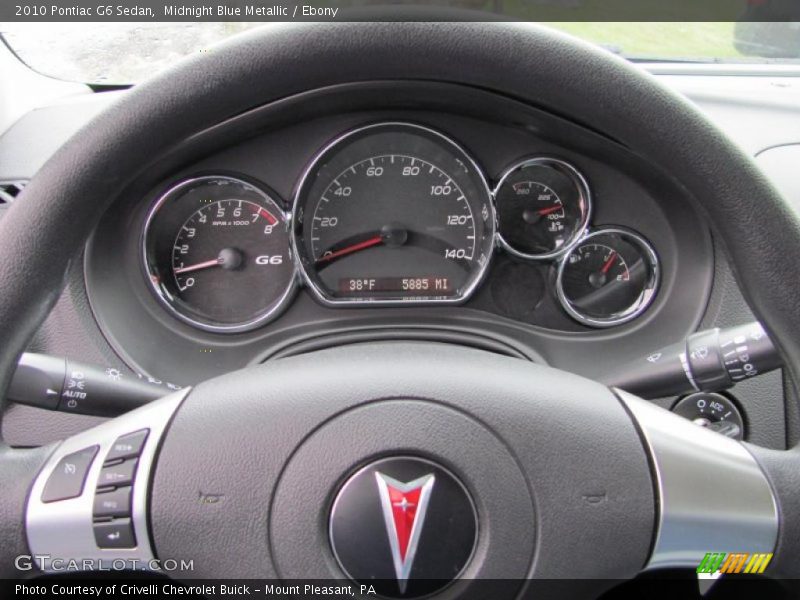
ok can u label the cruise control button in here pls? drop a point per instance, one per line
(121, 474)
(67, 479)
(128, 446)
(116, 503)
(115, 534)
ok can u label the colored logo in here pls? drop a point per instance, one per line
(404, 525)
(404, 506)
(734, 562)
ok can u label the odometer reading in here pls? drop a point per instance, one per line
(388, 201)
(421, 286)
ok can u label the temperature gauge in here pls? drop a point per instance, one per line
(542, 208)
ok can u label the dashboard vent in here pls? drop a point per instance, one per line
(9, 190)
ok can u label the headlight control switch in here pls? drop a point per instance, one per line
(714, 411)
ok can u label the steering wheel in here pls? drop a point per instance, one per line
(401, 464)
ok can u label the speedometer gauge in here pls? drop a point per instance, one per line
(217, 254)
(390, 213)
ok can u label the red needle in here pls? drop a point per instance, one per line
(608, 263)
(551, 209)
(198, 266)
(373, 241)
(267, 215)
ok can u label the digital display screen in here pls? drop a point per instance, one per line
(410, 286)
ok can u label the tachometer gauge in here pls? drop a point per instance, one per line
(609, 278)
(391, 213)
(543, 206)
(217, 254)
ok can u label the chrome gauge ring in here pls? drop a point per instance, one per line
(217, 255)
(393, 213)
(609, 277)
(543, 207)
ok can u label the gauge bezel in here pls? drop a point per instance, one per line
(647, 251)
(263, 317)
(314, 164)
(580, 183)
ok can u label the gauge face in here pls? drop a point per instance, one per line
(543, 206)
(217, 253)
(393, 213)
(609, 278)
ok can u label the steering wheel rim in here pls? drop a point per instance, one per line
(81, 179)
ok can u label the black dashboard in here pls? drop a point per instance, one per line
(415, 210)
(112, 312)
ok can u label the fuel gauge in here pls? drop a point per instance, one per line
(609, 278)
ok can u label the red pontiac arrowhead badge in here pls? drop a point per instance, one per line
(400, 536)
(404, 506)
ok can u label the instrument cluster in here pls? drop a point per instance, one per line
(391, 213)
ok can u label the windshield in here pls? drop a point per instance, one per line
(125, 53)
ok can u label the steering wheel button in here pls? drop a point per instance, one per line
(115, 534)
(128, 446)
(116, 503)
(67, 479)
(117, 475)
